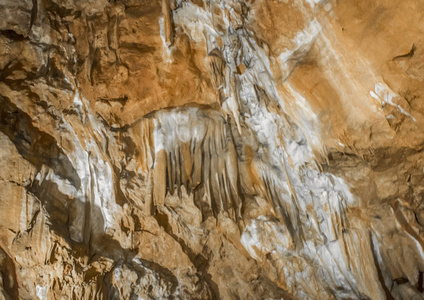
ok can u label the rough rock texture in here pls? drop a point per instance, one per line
(215, 149)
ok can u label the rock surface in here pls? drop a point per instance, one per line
(214, 149)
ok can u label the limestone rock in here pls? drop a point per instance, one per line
(223, 149)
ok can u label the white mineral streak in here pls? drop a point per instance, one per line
(195, 21)
(277, 238)
(167, 54)
(42, 292)
(384, 94)
(302, 41)
(327, 194)
(312, 3)
(96, 188)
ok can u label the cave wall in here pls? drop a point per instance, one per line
(214, 149)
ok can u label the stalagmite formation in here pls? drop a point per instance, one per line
(222, 149)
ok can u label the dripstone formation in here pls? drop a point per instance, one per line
(215, 149)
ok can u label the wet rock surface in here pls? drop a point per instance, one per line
(211, 149)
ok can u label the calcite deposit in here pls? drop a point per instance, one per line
(211, 149)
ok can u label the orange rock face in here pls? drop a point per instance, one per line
(225, 149)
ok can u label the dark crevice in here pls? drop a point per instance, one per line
(34, 13)
(401, 280)
(9, 68)
(420, 286)
(379, 273)
(120, 197)
(55, 204)
(36, 146)
(121, 100)
(198, 260)
(407, 55)
(60, 11)
(161, 270)
(12, 35)
(8, 274)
